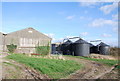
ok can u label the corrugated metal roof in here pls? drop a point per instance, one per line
(30, 30)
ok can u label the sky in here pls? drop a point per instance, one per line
(59, 20)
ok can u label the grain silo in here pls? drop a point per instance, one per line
(104, 49)
(91, 48)
(53, 48)
(95, 49)
(81, 48)
(66, 47)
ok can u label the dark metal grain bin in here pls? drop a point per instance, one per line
(95, 49)
(104, 49)
(53, 48)
(91, 48)
(81, 48)
(65, 47)
(58, 49)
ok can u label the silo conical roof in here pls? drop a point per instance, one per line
(81, 41)
(103, 44)
(91, 45)
(67, 42)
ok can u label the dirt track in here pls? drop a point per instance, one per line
(91, 70)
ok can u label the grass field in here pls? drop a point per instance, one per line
(52, 67)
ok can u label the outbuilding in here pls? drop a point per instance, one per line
(1, 41)
(81, 48)
(26, 40)
(66, 48)
(104, 49)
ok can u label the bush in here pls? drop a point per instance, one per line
(42, 50)
(114, 51)
(11, 48)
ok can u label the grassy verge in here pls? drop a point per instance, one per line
(53, 68)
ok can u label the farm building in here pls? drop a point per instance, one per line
(26, 40)
(55, 48)
(1, 41)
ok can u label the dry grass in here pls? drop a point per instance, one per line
(114, 51)
(99, 56)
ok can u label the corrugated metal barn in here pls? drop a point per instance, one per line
(26, 40)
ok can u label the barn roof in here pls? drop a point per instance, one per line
(30, 30)
(1, 33)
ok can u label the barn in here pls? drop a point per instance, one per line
(1, 41)
(26, 40)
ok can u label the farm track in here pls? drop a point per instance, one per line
(24, 73)
(91, 70)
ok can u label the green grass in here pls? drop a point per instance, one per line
(103, 61)
(52, 67)
(44, 50)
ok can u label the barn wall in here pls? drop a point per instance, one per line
(26, 40)
(1, 41)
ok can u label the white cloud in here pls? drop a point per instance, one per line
(115, 17)
(51, 35)
(58, 40)
(88, 4)
(60, 0)
(109, 8)
(115, 29)
(70, 17)
(106, 35)
(84, 33)
(113, 42)
(102, 22)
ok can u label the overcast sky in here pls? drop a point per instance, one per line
(59, 20)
